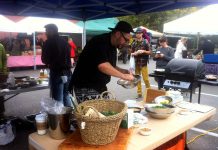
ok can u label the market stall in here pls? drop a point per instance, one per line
(23, 47)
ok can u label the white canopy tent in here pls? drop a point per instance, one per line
(6, 25)
(154, 33)
(202, 22)
(36, 24)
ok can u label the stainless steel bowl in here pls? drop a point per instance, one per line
(129, 84)
(159, 115)
(161, 109)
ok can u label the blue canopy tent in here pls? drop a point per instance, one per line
(92, 9)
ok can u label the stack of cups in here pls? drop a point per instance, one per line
(41, 124)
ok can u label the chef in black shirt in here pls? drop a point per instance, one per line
(97, 63)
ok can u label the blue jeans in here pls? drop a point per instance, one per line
(59, 89)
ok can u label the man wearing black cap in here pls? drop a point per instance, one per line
(97, 63)
(141, 51)
(56, 55)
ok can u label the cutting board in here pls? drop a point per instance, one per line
(74, 142)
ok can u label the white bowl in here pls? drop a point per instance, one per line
(145, 131)
(162, 99)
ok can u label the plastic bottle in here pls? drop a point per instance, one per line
(45, 73)
(41, 73)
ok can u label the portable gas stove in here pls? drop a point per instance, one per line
(177, 84)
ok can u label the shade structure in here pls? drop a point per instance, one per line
(37, 24)
(203, 22)
(154, 33)
(92, 9)
(94, 27)
(6, 25)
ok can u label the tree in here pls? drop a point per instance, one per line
(156, 20)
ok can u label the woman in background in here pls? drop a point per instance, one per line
(181, 49)
(163, 55)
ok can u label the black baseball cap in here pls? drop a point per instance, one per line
(52, 27)
(122, 26)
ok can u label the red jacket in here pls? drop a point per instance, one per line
(72, 49)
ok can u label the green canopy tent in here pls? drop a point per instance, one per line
(99, 26)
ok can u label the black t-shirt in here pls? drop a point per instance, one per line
(86, 74)
(56, 54)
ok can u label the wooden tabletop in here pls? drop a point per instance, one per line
(162, 131)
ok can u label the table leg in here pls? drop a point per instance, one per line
(199, 94)
(191, 94)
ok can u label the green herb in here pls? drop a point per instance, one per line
(109, 113)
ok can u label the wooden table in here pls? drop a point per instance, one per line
(162, 131)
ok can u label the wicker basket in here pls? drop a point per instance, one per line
(100, 131)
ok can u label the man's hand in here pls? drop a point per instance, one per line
(128, 77)
(138, 52)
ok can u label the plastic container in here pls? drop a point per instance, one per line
(41, 124)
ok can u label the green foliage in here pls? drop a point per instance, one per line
(156, 20)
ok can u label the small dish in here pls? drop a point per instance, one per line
(135, 109)
(163, 100)
(145, 131)
(211, 77)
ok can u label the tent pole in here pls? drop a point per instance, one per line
(198, 38)
(84, 35)
(34, 50)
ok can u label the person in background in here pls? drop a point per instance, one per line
(141, 51)
(125, 52)
(163, 55)
(97, 63)
(3, 60)
(181, 49)
(72, 49)
(56, 55)
(3, 74)
(146, 35)
(206, 46)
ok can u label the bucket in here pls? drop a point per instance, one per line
(59, 124)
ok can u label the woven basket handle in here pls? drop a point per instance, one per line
(86, 107)
(109, 93)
